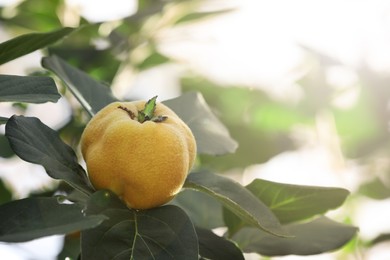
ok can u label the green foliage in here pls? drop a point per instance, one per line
(310, 238)
(27, 43)
(28, 89)
(264, 217)
(27, 219)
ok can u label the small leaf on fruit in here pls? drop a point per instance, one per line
(148, 112)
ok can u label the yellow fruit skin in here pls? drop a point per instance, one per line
(145, 164)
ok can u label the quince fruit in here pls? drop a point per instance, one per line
(141, 151)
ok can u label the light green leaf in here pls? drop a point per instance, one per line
(195, 16)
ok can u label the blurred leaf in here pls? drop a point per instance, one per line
(203, 210)
(30, 89)
(154, 59)
(101, 64)
(91, 94)
(297, 202)
(212, 246)
(315, 237)
(3, 120)
(5, 193)
(35, 142)
(360, 129)
(27, 43)
(375, 189)
(237, 199)
(71, 247)
(261, 126)
(37, 15)
(381, 238)
(161, 233)
(195, 16)
(211, 135)
(5, 151)
(27, 219)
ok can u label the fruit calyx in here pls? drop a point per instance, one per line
(147, 114)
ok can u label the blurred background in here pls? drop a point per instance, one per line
(303, 86)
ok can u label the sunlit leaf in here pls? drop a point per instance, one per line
(375, 189)
(212, 246)
(260, 125)
(30, 89)
(195, 16)
(27, 219)
(315, 237)
(297, 202)
(203, 210)
(237, 199)
(27, 43)
(211, 135)
(154, 59)
(35, 142)
(161, 233)
(91, 94)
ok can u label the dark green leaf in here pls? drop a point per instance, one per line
(5, 193)
(5, 151)
(27, 219)
(315, 237)
(27, 43)
(201, 15)
(203, 210)
(375, 189)
(297, 202)
(237, 199)
(211, 135)
(30, 89)
(35, 142)
(215, 247)
(161, 233)
(91, 94)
